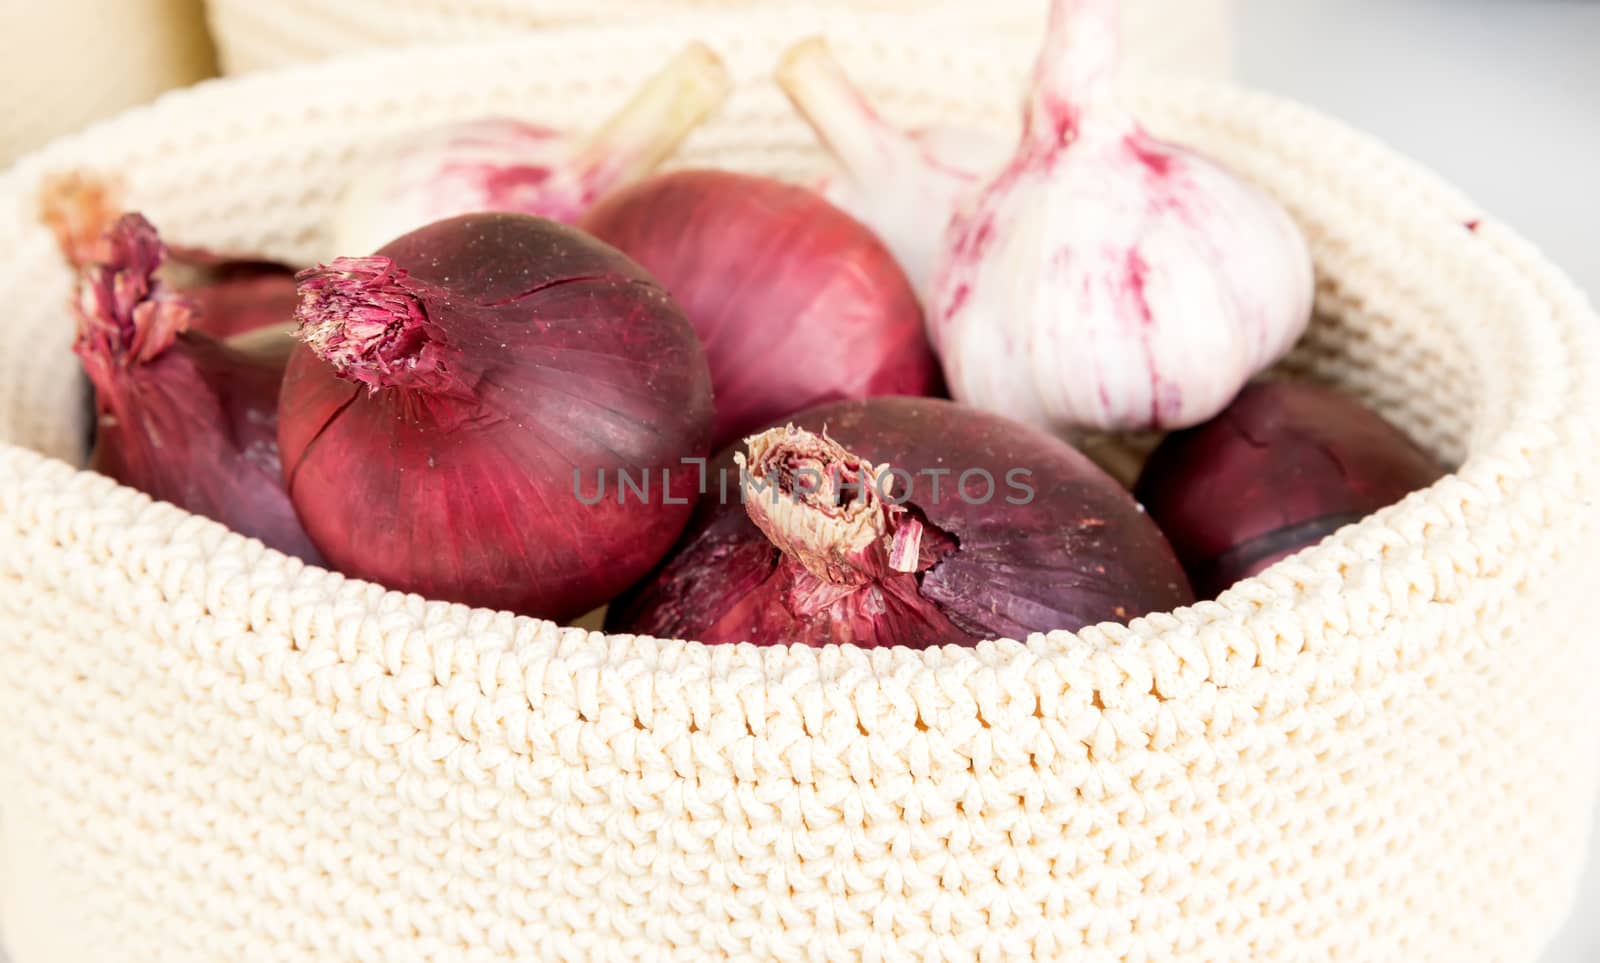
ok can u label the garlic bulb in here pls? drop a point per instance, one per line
(503, 164)
(1105, 279)
(905, 186)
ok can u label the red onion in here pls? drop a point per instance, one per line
(906, 186)
(1105, 279)
(904, 521)
(233, 295)
(470, 405)
(1281, 468)
(503, 164)
(239, 296)
(797, 303)
(180, 416)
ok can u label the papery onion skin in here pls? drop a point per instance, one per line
(1074, 552)
(492, 368)
(796, 302)
(233, 295)
(1285, 465)
(180, 416)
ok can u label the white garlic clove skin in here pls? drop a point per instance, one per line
(975, 153)
(503, 164)
(1117, 284)
(492, 164)
(1107, 280)
(910, 212)
(905, 186)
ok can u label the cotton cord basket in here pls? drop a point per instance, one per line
(1382, 749)
(1189, 37)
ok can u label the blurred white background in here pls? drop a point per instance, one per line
(1502, 97)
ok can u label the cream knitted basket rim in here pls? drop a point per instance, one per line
(250, 163)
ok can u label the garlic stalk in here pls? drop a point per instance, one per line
(1106, 279)
(504, 164)
(906, 186)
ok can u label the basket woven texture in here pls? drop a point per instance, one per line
(1380, 750)
(1189, 37)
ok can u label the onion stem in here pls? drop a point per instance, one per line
(367, 319)
(126, 314)
(827, 508)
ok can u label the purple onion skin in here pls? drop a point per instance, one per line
(797, 302)
(442, 459)
(1079, 552)
(236, 297)
(232, 295)
(180, 416)
(1284, 466)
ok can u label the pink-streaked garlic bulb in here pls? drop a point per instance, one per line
(1105, 279)
(509, 165)
(905, 185)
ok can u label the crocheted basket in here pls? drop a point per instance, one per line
(1189, 37)
(1381, 749)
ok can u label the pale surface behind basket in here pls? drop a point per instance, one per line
(69, 62)
(1188, 37)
